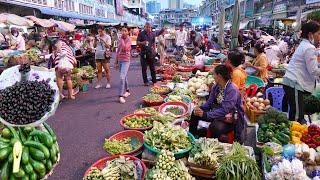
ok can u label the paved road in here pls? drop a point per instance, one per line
(83, 124)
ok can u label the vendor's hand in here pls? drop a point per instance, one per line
(198, 112)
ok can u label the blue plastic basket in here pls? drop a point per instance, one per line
(254, 80)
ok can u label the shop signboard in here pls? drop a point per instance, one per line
(280, 8)
(312, 1)
(119, 7)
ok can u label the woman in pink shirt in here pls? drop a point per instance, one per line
(123, 62)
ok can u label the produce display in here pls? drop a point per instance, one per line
(160, 90)
(167, 118)
(147, 110)
(138, 121)
(182, 92)
(115, 146)
(237, 165)
(26, 102)
(256, 103)
(175, 110)
(85, 72)
(176, 79)
(120, 168)
(198, 85)
(168, 168)
(152, 98)
(33, 55)
(274, 126)
(27, 153)
(206, 153)
(167, 137)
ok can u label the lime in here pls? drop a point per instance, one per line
(6, 133)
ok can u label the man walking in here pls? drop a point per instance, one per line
(181, 38)
(146, 40)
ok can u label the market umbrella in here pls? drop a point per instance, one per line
(64, 26)
(221, 27)
(13, 19)
(235, 26)
(41, 22)
(298, 20)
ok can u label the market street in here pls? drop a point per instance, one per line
(83, 124)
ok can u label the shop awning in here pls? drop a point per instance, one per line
(13, 19)
(41, 22)
(64, 26)
(57, 12)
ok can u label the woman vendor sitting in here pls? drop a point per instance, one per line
(223, 108)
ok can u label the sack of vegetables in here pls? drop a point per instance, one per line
(28, 152)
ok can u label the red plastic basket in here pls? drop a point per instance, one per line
(100, 164)
(138, 129)
(141, 111)
(129, 134)
(175, 103)
(155, 103)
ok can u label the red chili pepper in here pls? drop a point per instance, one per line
(306, 138)
(313, 130)
(311, 145)
(316, 139)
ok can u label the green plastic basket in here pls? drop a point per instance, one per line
(177, 155)
(254, 80)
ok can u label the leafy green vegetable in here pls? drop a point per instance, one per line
(168, 137)
(273, 116)
(115, 146)
(237, 165)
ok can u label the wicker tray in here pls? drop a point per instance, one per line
(253, 114)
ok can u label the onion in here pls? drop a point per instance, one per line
(260, 108)
(256, 104)
(262, 105)
(266, 102)
(254, 99)
(260, 100)
(248, 99)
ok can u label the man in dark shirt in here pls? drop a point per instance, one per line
(146, 40)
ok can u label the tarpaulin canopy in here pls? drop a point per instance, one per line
(12, 19)
(64, 26)
(41, 22)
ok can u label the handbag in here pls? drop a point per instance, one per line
(108, 53)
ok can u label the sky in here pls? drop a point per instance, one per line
(164, 3)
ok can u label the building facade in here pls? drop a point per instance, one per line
(176, 4)
(135, 6)
(153, 7)
(176, 17)
(86, 11)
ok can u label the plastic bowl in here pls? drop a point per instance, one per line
(180, 154)
(154, 103)
(185, 99)
(164, 106)
(138, 129)
(134, 135)
(167, 90)
(141, 111)
(100, 164)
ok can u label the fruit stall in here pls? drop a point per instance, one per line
(28, 145)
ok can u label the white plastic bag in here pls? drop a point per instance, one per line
(199, 60)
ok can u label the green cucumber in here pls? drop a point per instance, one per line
(44, 137)
(33, 176)
(37, 166)
(51, 132)
(22, 135)
(25, 155)
(20, 174)
(26, 177)
(13, 132)
(49, 165)
(39, 146)
(28, 168)
(10, 157)
(42, 175)
(4, 153)
(36, 154)
(5, 171)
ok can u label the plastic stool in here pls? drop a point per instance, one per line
(277, 94)
(230, 136)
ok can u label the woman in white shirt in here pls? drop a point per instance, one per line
(300, 77)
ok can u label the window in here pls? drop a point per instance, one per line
(69, 5)
(85, 9)
(100, 13)
(58, 4)
(109, 2)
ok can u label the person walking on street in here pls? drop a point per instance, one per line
(123, 62)
(161, 47)
(146, 40)
(181, 38)
(103, 56)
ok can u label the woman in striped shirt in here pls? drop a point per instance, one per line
(64, 61)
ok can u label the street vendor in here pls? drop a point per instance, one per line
(235, 60)
(260, 64)
(17, 42)
(302, 71)
(223, 108)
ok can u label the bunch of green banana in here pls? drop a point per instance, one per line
(27, 152)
